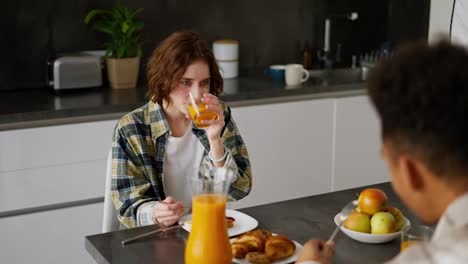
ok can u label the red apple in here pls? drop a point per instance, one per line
(372, 200)
(357, 221)
(399, 218)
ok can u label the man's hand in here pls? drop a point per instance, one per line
(169, 211)
(317, 250)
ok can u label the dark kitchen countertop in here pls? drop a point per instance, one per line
(299, 219)
(40, 107)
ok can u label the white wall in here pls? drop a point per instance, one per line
(460, 23)
(439, 18)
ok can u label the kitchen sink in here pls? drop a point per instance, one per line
(327, 77)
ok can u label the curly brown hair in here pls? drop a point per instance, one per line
(421, 96)
(170, 60)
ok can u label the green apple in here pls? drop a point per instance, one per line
(399, 218)
(358, 221)
(382, 223)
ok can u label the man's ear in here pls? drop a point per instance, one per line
(412, 172)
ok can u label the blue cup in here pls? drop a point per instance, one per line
(276, 72)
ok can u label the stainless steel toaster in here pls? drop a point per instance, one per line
(75, 71)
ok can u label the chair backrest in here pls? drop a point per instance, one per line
(109, 221)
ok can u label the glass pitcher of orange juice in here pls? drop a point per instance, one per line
(208, 241)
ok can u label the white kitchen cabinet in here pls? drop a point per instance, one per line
(56, 236)
(290, 148)
(53, 165)
(357, 159)
(55, 145)
(46, 168)
(51, 185)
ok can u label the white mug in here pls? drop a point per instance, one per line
(295, 74)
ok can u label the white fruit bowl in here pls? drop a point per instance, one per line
(370, 238)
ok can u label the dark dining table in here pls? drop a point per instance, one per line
(299, 219)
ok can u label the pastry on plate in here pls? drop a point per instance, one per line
(257, 258)
(260, 246)
(279, 247)
(230, 221)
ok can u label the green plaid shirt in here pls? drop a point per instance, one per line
(138, 150)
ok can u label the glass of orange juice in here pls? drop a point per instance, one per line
(208, 241)
(198, 111)
(414, 234)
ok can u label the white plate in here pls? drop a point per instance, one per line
(282, 261)
(369, 238)
(242, 224)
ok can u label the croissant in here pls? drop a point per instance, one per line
(279, 247)
(256, 240)
(257, 258)
(240, 249)
(265, 233)
(230, 221)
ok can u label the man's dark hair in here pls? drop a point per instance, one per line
(421, 96)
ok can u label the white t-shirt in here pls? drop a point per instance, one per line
(182, 161)
(183, 158)
(449, 243)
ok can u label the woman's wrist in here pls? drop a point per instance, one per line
(220, 159)
(216, 144)
(217, 151)
(215, 140)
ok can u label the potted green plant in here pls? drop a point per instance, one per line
(123, 51)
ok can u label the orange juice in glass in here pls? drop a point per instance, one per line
(198, 112)
(208, 241)
(406, 244)
(413, 234)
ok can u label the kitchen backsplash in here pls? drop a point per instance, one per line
(269, 31)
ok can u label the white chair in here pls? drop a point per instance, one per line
(109, 221)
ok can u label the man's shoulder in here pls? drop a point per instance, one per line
(417, 253)
(430, 253)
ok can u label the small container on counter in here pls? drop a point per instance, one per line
(229, 69)
(226, 52)
(307, 58)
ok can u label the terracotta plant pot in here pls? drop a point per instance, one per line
(123, 73)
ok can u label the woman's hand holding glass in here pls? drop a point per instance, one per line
(168, 211)
(214, 127)
(207, 114)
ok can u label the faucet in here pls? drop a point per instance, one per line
(326, 57)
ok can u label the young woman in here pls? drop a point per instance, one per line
(156, 145)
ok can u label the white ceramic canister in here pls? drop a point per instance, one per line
(228, 69)
(226, 50)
